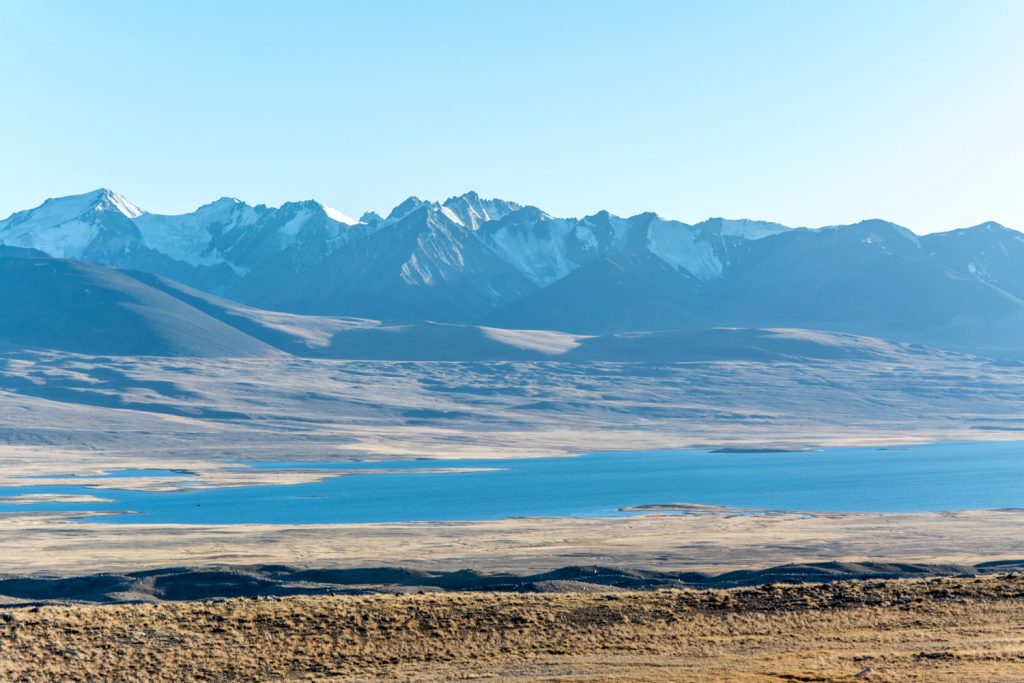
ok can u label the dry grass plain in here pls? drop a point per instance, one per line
(716, 540)
(941, 629)
(64, 413)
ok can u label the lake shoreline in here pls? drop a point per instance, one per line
(945, 476)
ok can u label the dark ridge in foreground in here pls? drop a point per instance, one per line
(183, 583)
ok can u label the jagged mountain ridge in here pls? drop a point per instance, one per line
(471, 260)
(228, 246)
(423, 264)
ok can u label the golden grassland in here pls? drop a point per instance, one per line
(711, 540)
(942, 629)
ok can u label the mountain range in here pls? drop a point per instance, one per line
(470, 263)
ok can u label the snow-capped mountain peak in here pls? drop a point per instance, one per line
(66, 227)
(404, 209)
(112, 201)
(58, 210)
(224, 211)
(472, 211)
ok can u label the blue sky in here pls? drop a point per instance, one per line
(807, 113)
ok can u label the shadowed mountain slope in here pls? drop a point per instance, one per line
(633, 291)
(871, 278)
(72, 306)
(366, 339)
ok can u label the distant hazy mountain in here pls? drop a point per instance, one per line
(474, 261)
(988, 252)
(871, 278)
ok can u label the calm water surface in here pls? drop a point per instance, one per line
(928, 478)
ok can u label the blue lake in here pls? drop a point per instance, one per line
(927, 478)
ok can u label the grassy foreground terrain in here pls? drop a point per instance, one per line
(938, 629)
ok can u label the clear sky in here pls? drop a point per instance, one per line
(805, 112)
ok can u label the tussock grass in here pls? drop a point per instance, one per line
(925, 630)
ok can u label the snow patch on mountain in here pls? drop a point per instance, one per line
(183, 238)
(57, 211)
(586, 236)
(226, 213)
(415, 273)
(120, 204)
(473, 211)
(679, 245)
(452, 216)
(290, 230)
(437, 256)
(190, 237)
(338, 216)
(538, 249)
(65, 240)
